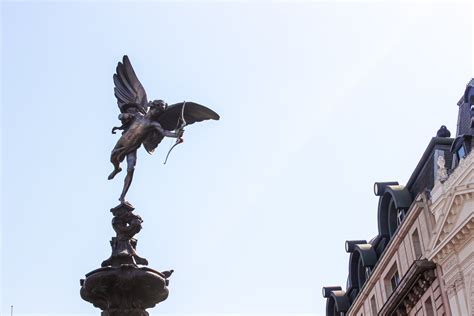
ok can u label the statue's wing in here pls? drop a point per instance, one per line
(170, 119)
(152, 140)
(128, 89)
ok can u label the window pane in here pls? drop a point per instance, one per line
(461, 152)
(394, 281)
(429, 307)
(373, 306)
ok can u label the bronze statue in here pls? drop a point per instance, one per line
(145, 122)
(124, 285)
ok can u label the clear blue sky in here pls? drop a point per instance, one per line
(318, 100)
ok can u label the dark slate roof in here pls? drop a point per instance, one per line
(464, 116)
(423, 176)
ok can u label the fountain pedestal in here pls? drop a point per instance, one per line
(124, 286)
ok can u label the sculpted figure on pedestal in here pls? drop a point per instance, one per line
(124, 285)
(146, 122)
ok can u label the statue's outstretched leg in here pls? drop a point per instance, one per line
(116, 162)
(131, 162)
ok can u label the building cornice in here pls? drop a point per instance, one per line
(413, 285)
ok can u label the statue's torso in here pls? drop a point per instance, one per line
(136, 132)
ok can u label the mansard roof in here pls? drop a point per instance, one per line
(422, 177)
(395, 200)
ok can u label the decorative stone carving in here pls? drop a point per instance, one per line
(463, 234)
(449, 264)
(411, 288)
(454, 284)
(442, 171)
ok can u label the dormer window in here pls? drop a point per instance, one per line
(461, 153)
(461, 147)
(368, 272)
(472, 111)
(400, 216)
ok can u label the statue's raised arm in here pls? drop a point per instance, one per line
(146, 122)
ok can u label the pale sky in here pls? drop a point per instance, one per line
(318, 100)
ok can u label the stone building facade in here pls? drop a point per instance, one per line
(422, 260)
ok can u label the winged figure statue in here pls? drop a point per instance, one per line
(146, 122)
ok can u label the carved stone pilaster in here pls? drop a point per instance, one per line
(454, 284)
(472, 293)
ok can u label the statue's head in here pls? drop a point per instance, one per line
(157, 106)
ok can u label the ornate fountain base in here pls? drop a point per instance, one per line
(125, 290)
(122, 287)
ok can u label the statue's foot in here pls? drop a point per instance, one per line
(112, 175)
